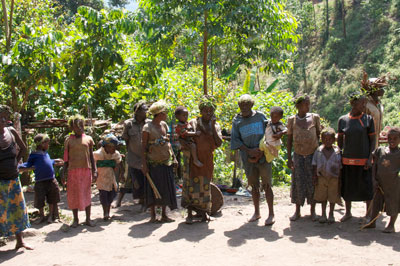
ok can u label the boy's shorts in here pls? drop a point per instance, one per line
(256, 170)
(327, 189)
(46, 189)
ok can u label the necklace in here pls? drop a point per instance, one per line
(301, 118)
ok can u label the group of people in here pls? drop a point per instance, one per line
(356, 169)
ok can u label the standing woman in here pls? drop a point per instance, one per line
(157, 161)
(196, 194)
(303, 134)
(13, 212)
(356, 139)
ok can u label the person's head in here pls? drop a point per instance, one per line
(302, 103)
(159, 110)
(110, 143)
(207, 107)
(246, 103)
(5, 113)
(394, 137)
(357, 102)
(328, 137)
(77, 124)
(140, 110)
(182, 114)
(42, 142)
(276, 114)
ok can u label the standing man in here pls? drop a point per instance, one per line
(248, 128)
(132, 134)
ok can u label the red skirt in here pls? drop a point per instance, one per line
(79, 194)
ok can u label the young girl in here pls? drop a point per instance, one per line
(79, 161)
(13, 212)
(386, 168)
(107, 158)
(303, 134)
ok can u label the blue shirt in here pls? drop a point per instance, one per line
(44, 169)
(248, 131)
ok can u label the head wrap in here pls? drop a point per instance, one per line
(356, 96)
(110, 139)
(138, 105)
(40, 138)
(246, 98)
(371, 85)
(207, 101)
(5, 109)
(158, 107)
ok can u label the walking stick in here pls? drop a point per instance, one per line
(155, 190)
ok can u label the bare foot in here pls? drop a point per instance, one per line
(41, 220)
(331, 219)
(23, 245)
(205, 218)
(106, 218)
(346, 217)
(153, 220)
(89, 223)
(198, 163)
(295, 217)
(75, 224)
(166, 219)
(270, 220)
(323, 219)
(389, 229)
(50, 219)
(254, 218)
(115, 204)
(189, 220)
(314, 217)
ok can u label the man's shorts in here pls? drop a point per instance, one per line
(327, 190)
(256, 170)
(46, 189)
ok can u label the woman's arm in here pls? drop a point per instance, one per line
(372, 140)
(289, 151)
(93, 163)
(216, 136)
(20, 143)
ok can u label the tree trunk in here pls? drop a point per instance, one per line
(315, 20)
(344, 18)
(205, 40)
(10, 24)
(5, 19)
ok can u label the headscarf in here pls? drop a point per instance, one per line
(207, 101)
(158, 107)
(110, 139)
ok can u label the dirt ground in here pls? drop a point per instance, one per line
(228, 239)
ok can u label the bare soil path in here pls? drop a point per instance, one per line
(227, 240)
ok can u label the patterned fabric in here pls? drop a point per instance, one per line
(78, 188)
(106, 175)
(302, 187)
(13, 212)
(159, 149)
(327, 167)
(196, 193)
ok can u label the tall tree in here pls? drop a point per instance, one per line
(258, 28)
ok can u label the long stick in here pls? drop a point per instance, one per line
(155, 190)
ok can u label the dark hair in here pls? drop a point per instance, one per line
(40, 138)
(75, 119)
(276, 109)
(179, 110)
(394, 131)
(300, 98)
(328, 132)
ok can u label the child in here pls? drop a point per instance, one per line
(386, 170)
(46, 186)
(79, 162)
(271, 142)
(107, 158)
(326, 172)
(185, 133)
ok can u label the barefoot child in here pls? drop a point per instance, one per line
(107, 158)
(326, 168)
(185, 133)
(271, 143)
(79, 161)
(386, 169)
(46, 186)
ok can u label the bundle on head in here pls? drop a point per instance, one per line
(370, 85)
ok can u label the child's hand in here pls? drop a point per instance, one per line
(145, 169)
(94, 175)
(278, 135)
(290, 164)
(58, 162)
